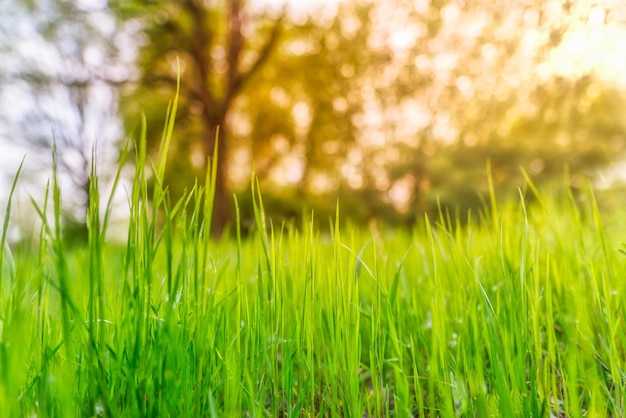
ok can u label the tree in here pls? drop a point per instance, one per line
(304, 108)
(221, 45)
(407, 101)
(66, 69)
(467, 82)
(386, 104)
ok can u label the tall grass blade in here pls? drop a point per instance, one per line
(6, 251)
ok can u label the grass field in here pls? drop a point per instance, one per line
(515, 312)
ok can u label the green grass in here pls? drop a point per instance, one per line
(518, 312)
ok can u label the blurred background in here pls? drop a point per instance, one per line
(395, 107)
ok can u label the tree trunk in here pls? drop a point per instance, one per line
(216, 106)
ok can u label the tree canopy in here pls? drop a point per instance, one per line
(396, 107)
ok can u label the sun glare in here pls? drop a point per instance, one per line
(594, 46)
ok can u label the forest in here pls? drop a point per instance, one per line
(398, 108)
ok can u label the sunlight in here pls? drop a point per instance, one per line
(594, 46)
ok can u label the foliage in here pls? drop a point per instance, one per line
(397, 107)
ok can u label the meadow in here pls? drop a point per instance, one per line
(514, 311)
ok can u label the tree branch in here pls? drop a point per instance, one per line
(201, 42)
(235, 45)
(241, 78)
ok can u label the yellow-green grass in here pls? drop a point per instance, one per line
(518, 311)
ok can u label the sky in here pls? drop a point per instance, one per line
(596, 45)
